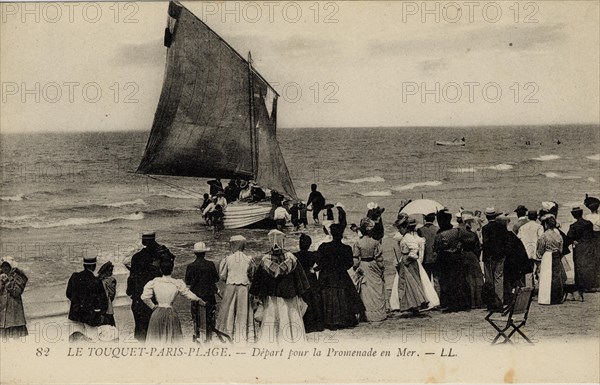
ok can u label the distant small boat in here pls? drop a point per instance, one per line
(455, 142)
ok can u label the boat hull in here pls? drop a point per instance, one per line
(457, 144)
(242, 214)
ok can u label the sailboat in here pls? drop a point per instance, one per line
(454, 142)
(216, 117)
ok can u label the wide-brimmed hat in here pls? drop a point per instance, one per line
(372, 205)
(200, 247)
(340, 205)
(548, 205)
(467, 215)
(545, 217)
(492, 212)
(401, 220)
(591, 203)
(577, 209)
(243, 183)
(411, 222)
(520, 208)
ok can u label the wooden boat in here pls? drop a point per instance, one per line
(455, 142)
(216, 117)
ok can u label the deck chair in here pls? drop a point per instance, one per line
(514, 316)
(204, 330)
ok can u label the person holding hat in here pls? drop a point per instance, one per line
(144, 268)
(341, 301)
(12, 316)
(236, 318)
(159, 294)
(313, 318)
(279, 283)
(454, 288)
(88, 299)
(428, 232)
(408, 293)
(529, 234)
(521, 212)
(369, 266)
(495, 235)
(586, 263)
(551, 275)
(201, 277)
(316, 199)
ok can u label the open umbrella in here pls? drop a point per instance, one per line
(422, 206)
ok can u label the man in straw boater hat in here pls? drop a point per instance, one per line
(143, 268)
(201, 277)
(495, 239)
(88, 299)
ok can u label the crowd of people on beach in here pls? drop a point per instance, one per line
(337, 281)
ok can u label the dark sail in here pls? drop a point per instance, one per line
(203, 125)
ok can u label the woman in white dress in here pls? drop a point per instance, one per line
(236, 317)
(164, 326)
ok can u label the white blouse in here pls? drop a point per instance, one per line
(595, 219)
(165, 290)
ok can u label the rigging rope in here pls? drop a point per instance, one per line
(182, 189)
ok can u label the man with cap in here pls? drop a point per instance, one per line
(201, 277)
(88, 299)
(144, 268)
(495, 239)
(521, 212)
(529, 234)
(428, 232)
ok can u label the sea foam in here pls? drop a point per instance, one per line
(14, 198)
(466, 169)
(382, 193)
(501, 167)
(139, 202)
(74, 222)
(371, 179)
(543, 158)
(175, 196)
(593, 157)
(411, 186)
(554, 175)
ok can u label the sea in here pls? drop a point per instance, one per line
(65, 195)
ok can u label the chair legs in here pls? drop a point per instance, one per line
(507, 338)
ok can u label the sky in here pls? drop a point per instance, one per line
(100, 66)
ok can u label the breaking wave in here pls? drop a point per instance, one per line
(466, 169)
(14, 198)
(593, 157)
(501, 167)
(554, 175)
(382, 193)
(73, 222)
(411, 186)
(175, 196)
(543, 158)
(139, 202)
(371, 179)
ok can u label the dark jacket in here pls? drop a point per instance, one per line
(317, 200)
(293, 284)
(88, 298)
(517, 263)
(428, 231)
(143, 271)
(495, 237)
(201, 276)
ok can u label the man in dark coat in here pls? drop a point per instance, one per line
(316, 199)
(86, 293)
(201, 276)
(495, 235)
(428, 232)
(516, 263)
(143, 269)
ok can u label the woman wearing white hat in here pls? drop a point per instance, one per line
(235, 314)
(12, 284)
(279, 283)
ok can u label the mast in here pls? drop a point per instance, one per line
(253, 136)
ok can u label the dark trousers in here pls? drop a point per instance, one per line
(141, 316)
(211, 314)
(494, 274)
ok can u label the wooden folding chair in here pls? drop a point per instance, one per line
(515, 316)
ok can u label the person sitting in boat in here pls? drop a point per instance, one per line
(258, 194)
(245, 191)
(281, 216)
(232, 191)
(215, 186)
(205, 202)
(219, 199)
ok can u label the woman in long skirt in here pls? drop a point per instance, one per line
(551, 273)
(279, 283)
(586, 263)
(407, 290)
(341, 301)
(471, 252)
(236, 317)
(313, 318)
(164, 326)
(12, 284)
(592, 204)
(368, 264)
